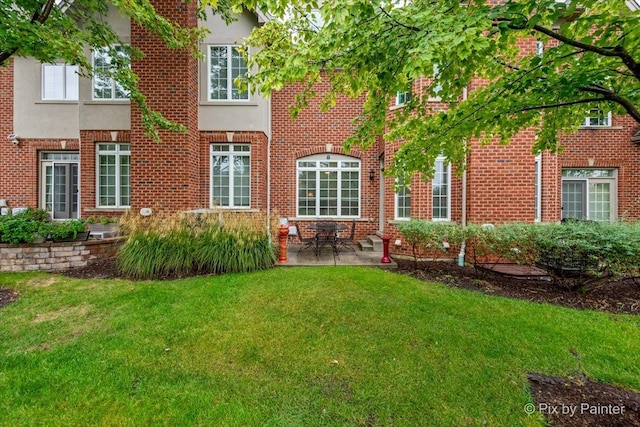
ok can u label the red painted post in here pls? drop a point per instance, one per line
(283, 234)
(385, 247)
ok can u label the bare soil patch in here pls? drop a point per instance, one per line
(7, 296)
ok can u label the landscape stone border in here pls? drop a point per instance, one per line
(57, 256)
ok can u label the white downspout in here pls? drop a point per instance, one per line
(463, 218)
(269, 169)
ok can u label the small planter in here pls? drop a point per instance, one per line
(82, 236)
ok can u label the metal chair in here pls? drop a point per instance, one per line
(307, 242)
(347, 242)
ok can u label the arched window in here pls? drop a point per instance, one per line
(328, 186)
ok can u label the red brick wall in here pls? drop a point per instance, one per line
(309, 134)
(165, 175)
(608, 148)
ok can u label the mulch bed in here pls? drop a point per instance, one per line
(7, 296)
(563, 401)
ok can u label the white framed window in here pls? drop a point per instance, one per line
(539, 48)
(225, 64)
(230, 175)
(328, 186)
(113, 175)
(403, 202)
(59, 82)
(590, 194)
(441, 191)
(537, 203)
(597, 118)
(104, 64)
(437, 87)
(403, 97)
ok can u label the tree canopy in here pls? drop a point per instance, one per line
(376, 48)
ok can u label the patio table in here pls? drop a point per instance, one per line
(326, 234)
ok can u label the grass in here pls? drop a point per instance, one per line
(290, 347)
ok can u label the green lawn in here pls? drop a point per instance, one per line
(290, 346)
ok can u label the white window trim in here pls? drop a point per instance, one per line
(113, 84)
(231, 153)
(329, 157)
(614, 189)
(230, 83)
(438, 88)
(402, 98)
(448, 168)
(585, 122)
(396, 214)
(537, 215)
(64, 85)
(116, 153)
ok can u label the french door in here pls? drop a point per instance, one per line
(59, 184)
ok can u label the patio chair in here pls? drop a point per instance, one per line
(307, 242)
(347, 242)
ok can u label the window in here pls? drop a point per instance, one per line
(225, 65)
(597, 118)
(114, 175)
(230, 175)
(403, 202)
(589, 194)
(441, 185)
(403, 97)
(437, 87)
(328, 185)
(104, 65)
(537, 207)
(59, 82)
(539, 48)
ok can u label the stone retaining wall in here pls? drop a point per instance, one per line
(56, 256)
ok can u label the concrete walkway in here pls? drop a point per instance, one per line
(326, 257)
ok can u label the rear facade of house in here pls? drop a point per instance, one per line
(76, 147)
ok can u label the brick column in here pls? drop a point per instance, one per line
(164, 175)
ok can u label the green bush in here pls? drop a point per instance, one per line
(24, 226)
(195, 244)
(431, 238)
(68, 229)
(576, 254)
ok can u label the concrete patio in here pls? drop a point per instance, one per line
(326, 257)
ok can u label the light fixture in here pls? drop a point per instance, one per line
(372, 175)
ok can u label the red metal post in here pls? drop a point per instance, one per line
(385, 247)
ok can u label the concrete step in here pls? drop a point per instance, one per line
(365, 245)
(376, 242)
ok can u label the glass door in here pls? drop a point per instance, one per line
(60, 184)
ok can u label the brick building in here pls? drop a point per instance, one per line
(80, 149)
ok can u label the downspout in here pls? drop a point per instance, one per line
(269, 169)
(463, 218)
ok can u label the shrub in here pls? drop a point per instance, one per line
(68, 229)
(428, 238)
(24, 226)
(190, 243)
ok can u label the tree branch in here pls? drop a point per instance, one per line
(610, 95)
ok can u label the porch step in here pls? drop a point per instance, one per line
(365, 246)
(371, 244)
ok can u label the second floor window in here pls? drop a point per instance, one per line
(225, 65)
(104, 64)
(597, 118)
(60, 82)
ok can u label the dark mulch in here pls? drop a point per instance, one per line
(7, 296)
(620, 297)
(583, 402)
